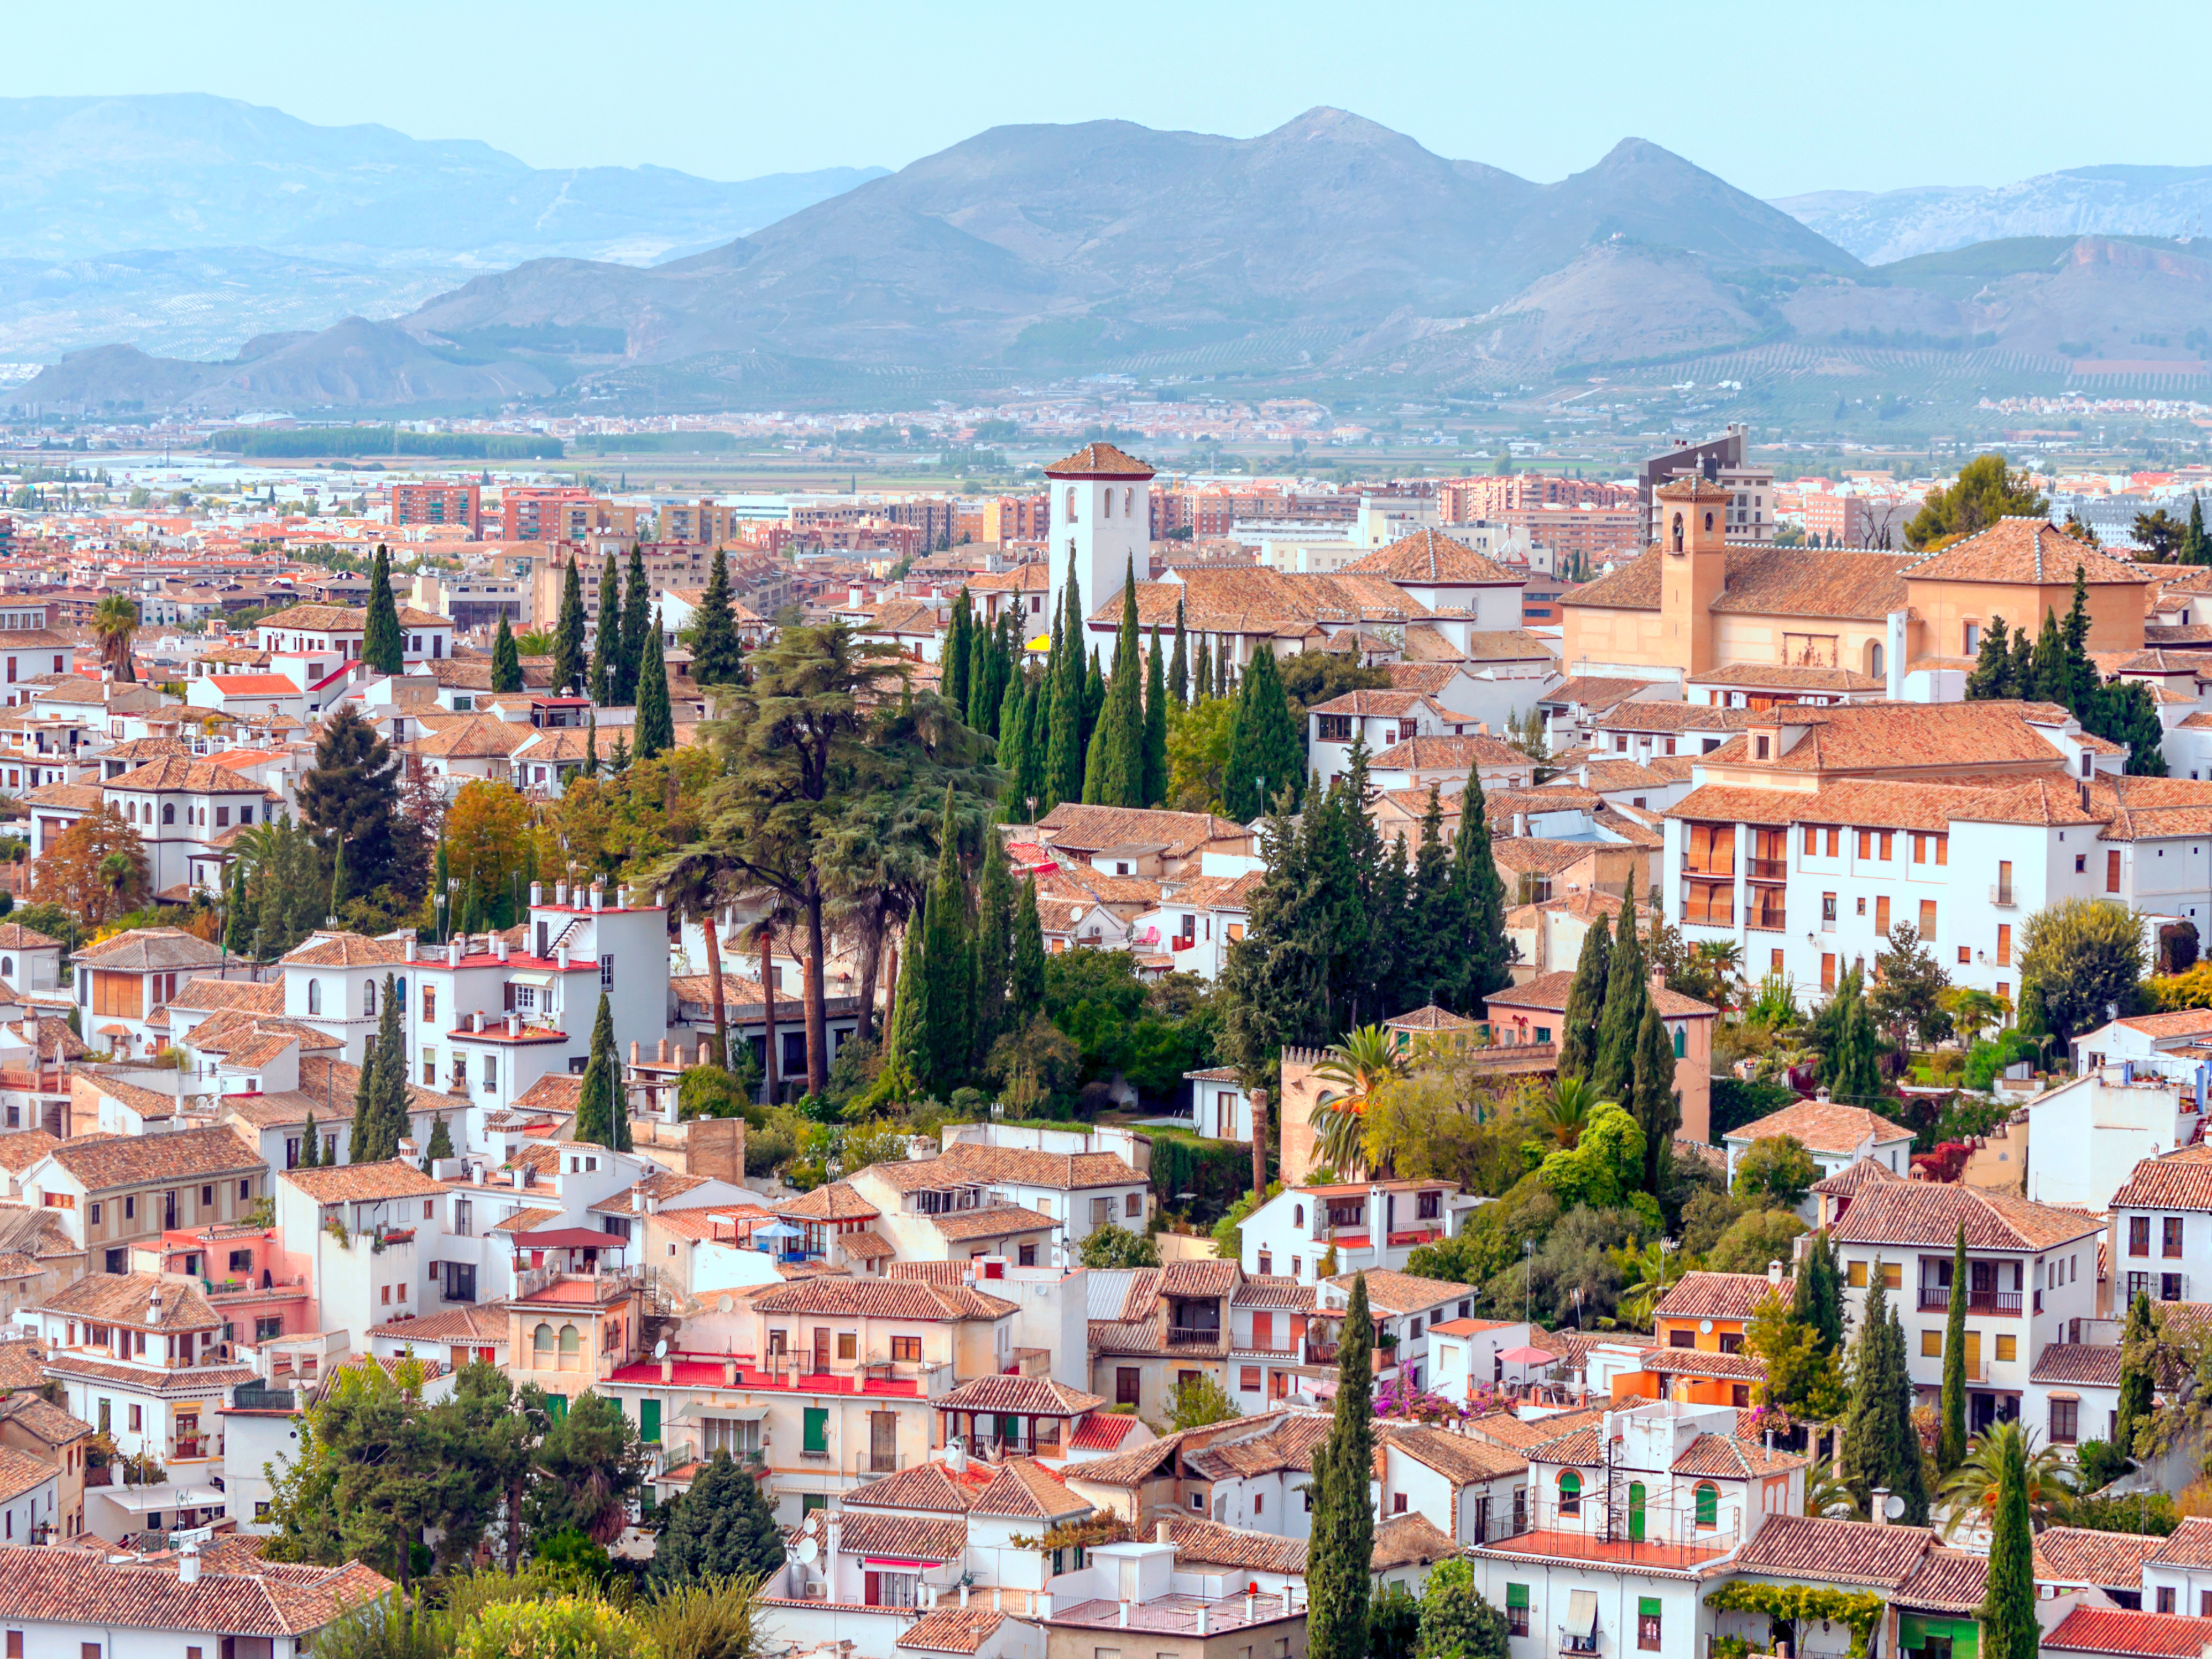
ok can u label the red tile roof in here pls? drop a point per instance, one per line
(1099, 460)
(2127, 1632)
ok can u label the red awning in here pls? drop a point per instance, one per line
(570, 1238)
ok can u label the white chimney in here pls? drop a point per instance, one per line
(560, 956)
(537, 894)
(453, 953)
(560, 892)
(1160, 1532)
(188, 1565)
(500, 945)
(477, 1019)
(514, 1025)
(1878, 1505)
(410, 948)
(1774, 1273)
(154, 1305)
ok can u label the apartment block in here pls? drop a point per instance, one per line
(451, 506)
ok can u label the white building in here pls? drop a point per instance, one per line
(1289, 1233)
(1837, 1135)
(2161, 1231)
(1102, 520)
(2091, 1132)
(89, 1605)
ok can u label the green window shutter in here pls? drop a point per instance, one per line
(1709, 1506)
(1570, 1484)
(818, 1430)
(648, 1421)
(1912, 1630)
(1965, 1638)
(1647, 1606)
(556, 1405)
(1517, 1596)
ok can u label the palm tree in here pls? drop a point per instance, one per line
(1354, 1069)
(1827, 1493)
(1970, 1496)
(115, 619)
(1565, 1110)
(1644, 1282)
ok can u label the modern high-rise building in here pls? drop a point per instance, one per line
(457, 505)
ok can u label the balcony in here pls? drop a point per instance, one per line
(1720, 869)
(1717, 912)
(1765, 919)
(1767, 869)
(2000, 894)
(1193, 1336)
(1937, 1299)
(253, 1397)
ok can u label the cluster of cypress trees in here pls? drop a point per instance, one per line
(1347, 929)
(379, 1101)
(971, 967)
(628, 666)
(1613, 1035)
(1882, 1448)
(982, 660)
(1075, 733)
(2056, 667)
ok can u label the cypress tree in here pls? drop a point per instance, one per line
(441, 1141)
(1431, 969)
(636, 623)
(1094, 699)
(380, 1105)
(569, 636)
(2081, 673)
(2052, 675)
(618, 763)
(1221, 670)
(1116, 773)
(955, 655)
(1478, 905)
(994, 944)
(1338, 1582)
(1156, 728)
(719, 1531)
(506, 661)
(906, 1051)
(1585, 1003)
(1063, 769)
(1951, 1416)
(1025, 983)
(1201, 680)
(656, 722)
(1882, 1448)
(310, 1144)
(947, 1008)
(340, 890)
(1612, 1071)
(1911, 1480)
(1013, 753)
(1658, 1105)
(2194, 548)
(382, 646)
(237, 919)
(606, 640)
(591, 744)
(2020, 667)
(717, 656)
(1816, 1301)
(600, 1105)
(2009, 1627)
(1179, 663)
(361, 1133)
(1036, 742)
(1267, 755)
(2135, 1376)
(979, 678)
(1992, 671)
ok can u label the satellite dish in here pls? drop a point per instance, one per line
(808, 1549)
(1705, 1325)
(660, 1349)
(1894, 1506)
(725, 1305)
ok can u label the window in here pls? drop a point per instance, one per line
(429, 1007)
(606, 973)
(2165, 1599)
(1133, 1204)
(1647, 1619)
(2080, 863)
(2112, 868)
(1881, 915)
(1927, 920)
(907, 1348)
(2065, 1421)
(1516, 1610)
(2007, 1347)
(1333, 728)
(2138, 1234)
(1398, 1503)
(2169, 1287)
(1570, 1493)
(2170, 1241)
(314, 996)
(815, 1431)
(1811, 841)
(368, 1000)
(1128, 1385)
(1682, 1339)
(2004, 945)
(1931, 1345)
(1709, 1504)
(1827, 907)
(848, 1344)
(1866, 843)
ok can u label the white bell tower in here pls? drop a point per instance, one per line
(1101, 513)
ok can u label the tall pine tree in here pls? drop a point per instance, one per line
(947, 985)
(1115, 775)
(717, 656)
(1612, 1071)
(656, 721)
(382, 646)
(958, 643)
(994, 944)
(1338, 1584)
(1064, 674)
(1201, 679)
(568, 634)
(506, 661)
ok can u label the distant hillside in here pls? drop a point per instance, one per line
(2110, 201)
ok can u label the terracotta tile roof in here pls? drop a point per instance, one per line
(2189, 1545)
(554, 1093)
(248, 1040)
(1948, 1580)
(1547, 992)
(1251, 601)
(1739, 1460)
(1896, 804)
(344, 618)
(1025, 1487)
(965, 1164)
(1208, 1543)
(1273, 1290)
(2129, 1633)
(1428, 1018)
(1882, 736)
(149, 949)
(1021, 1395)
(20, 1150)
(2024, 551)
(127, 1299)
(833, 1202)
(1198, 1279)
(1387, 704)
(1596, 693)
(1524, 1434)
(1401, 1293)
(48, 1422)
(205, 994)
(1577, 1446)
(989, 1221)
(1459, 1458)
(82, 797)
(950, 1629)
(345, 951)
(478, 1324)
(1702, 1295)
(1928, 1214)
(1539, 854)
(44, 1585)
(1465, 754)
(873, 1298)
(1091, 828)
(191, 777)
(1430, 556)
(1860, 1173)
(1408, 1540)
(2096, 1365)
(333, 1080)
(356, 1184)
(921, 1538)
(1787, 677)
(1101, 1431)
(1823, 1126)
(1820, 1550)
(1099, 460)
(1290, 1443)
(132, 1160)
(930, 1486)
(2078, 1556)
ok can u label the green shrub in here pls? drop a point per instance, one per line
(563, 1627)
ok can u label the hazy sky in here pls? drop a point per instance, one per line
(1776, 99)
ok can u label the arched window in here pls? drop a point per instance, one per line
(1874, 659)
(1128, 501)
(7, 967)
(1709, 524)
(1678, 532)
(1682, 1041)
(1071, 504)
(169, 812)
(314, 996)
(541, 1339)
(1709, 1504)
(1570, 1493)
(1105, 503)
(368, 1000)
(570, 1338)
(130, 812)
(1297, 1215)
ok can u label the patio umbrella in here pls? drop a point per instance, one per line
(1528, 1357)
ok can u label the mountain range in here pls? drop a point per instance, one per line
(1329, 250)
(1881, 226)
